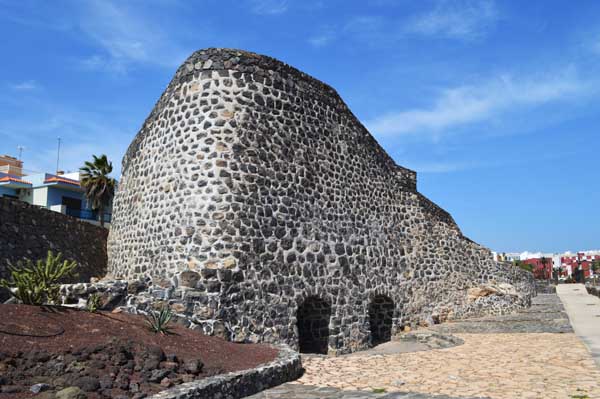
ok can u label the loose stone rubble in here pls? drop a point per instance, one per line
(258, 207)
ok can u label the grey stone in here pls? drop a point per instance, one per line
(158, 375)
(87, 383)
(37, 388)
(10, 389)
(189, 279)
(71, 393)
(193, 366)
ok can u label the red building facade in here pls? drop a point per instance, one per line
(541, 269)
(569, 264)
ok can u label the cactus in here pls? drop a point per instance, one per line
(38, 283)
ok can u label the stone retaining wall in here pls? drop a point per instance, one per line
(251, 190)
(27, 231)
(593, 290)
(239, 384)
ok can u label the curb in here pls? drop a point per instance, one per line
(238, 384)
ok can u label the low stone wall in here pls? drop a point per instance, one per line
(592, 290)
(28, 231)
(287, 367)
(545, 287)
(141, 296)
(112, 293)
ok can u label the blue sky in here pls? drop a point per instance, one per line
(494, 103)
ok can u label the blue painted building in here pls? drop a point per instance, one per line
(60, 193)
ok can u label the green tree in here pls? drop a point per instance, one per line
(98, 185)
(556, 273)
(525, 266)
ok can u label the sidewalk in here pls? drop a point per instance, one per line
(584, 313)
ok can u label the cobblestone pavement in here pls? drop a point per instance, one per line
(533, 354)
(298, 391)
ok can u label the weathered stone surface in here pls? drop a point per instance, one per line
(71, 393)
(112, 293)
(258, 177)
(297, 391)
(546, 315)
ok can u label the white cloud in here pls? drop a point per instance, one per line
(127, 37)
(26, 85)
(469, 104)
(322, 39)
(466, 19)
(268, 7)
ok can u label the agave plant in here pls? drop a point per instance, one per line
(159, 321)
(94, 302)
(38, 283)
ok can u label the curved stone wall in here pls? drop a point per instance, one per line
(253, 186)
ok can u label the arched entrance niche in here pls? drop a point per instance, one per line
(313, 325)
(381, 315)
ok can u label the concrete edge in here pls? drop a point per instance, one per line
(238, 384)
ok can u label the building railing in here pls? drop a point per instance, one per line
(87, 214)
(11, 170)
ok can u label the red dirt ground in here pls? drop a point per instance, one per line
(84, 329)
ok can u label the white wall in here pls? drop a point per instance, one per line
(40, 196)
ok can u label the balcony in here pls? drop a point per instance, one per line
(11, 170)
(87, 214)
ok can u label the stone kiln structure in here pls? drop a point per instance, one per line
(263, 210)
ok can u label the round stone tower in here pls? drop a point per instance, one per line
(274, 215)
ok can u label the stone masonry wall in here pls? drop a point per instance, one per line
(27, 231)
(251, 188)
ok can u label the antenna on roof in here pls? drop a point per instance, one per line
(57, 155)
(20, 148)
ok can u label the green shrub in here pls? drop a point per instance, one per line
(159, 321)
(38, 283)
(94, 302)
(524, 266)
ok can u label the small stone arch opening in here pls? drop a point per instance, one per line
(313, 325)
(381, 316)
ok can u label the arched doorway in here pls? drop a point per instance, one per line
(313, 325)
(381, 315)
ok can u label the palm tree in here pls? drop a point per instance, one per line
(99, 187)
(544, 262)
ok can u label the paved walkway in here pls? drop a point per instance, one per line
(532, 354)
(584, 312)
